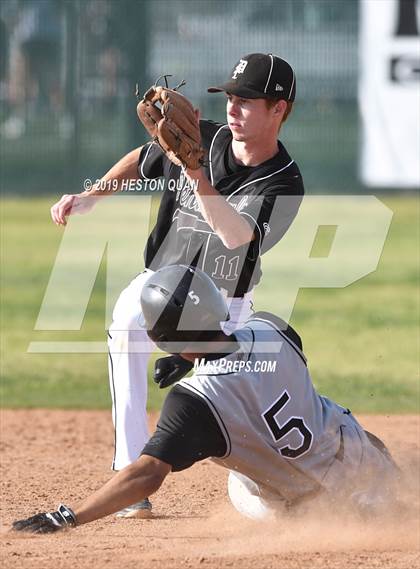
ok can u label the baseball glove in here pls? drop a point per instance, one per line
(171, 121)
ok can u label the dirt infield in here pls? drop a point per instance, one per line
(53, 456)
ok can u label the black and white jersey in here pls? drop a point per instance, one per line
(267, 195)
(256, 411)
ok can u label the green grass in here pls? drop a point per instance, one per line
(362, 341)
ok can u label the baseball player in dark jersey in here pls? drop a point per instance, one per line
(251, 407)
(220, 218)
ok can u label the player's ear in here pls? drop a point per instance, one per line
(280, 107)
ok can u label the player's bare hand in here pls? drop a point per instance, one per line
(70, 205)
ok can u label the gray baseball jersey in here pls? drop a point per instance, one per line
(279, 432)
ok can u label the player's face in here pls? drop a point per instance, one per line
(248, 118)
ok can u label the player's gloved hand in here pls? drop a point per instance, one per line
(170, 369)
(48, 522)
(172, 122)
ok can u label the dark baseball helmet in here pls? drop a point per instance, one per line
(182, 306)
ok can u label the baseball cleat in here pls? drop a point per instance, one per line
(141, 510)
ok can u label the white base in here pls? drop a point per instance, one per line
(243, 494)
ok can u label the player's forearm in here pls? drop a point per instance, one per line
(111, 182)
(132, 484)
(229, 225)
(118, 493)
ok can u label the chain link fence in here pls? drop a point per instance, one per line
(69, 68)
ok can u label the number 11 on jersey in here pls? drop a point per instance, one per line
(231, 273)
